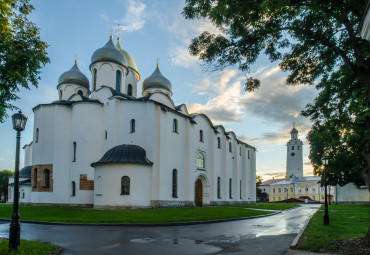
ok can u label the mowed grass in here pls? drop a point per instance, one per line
(28, 248)
(270, 206)
(164, 215)
(346, 221)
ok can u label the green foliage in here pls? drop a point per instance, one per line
(22, 53)
(346, 221)
(28, 248)
(4, 180)
(339, 129)
(308, 37)
(81, 215)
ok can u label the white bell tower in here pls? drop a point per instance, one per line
(294, 162)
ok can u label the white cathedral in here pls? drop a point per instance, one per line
(108, 148)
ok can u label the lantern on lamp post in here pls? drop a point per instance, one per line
(325, 162)
(19, 124)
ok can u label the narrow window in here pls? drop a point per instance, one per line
(132, 126)
(74, 152)
(230, 149)
(35, 178)
(80, 93)
(298, 148)
(37, 135)
(99, 186)
(95, 78)
(219, 142)
(125, 185)
(23, 193)
(174, 183)
(200, 161)
(240, 189)
(118, 81)
(174, 126)
(292, 147)
(60, 94)
(73, 189)
(106, 135)
(218, 187)
(201, 135)
(248, 154)
(129, 90)
(46, 178)
(230, 188)
(10, 193)
(240, 150)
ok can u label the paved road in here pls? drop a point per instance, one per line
(268, 235)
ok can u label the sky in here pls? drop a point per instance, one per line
(156, 28)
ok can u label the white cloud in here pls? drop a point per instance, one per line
(133, 19)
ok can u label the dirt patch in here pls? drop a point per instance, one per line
(356, 246)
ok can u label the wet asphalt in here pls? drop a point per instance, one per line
(267, 235)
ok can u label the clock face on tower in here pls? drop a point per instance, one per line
(292, 154)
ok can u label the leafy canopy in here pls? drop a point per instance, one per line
(22, 53)
(4, 180)
(308, 37)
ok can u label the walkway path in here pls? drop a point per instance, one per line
(267, 235)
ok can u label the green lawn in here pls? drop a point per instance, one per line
(28, 248)
(346, 221)
(84, 215)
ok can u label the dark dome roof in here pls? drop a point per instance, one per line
(294, 130)
(74, 76)
(109, 53)
(157, 80)
(124, 153)
(25, 172)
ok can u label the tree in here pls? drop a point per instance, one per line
(339, 129)
(262, 196)
(4, 181)
(22, 53)
(312, 39)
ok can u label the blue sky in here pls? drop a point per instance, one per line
(151, 29)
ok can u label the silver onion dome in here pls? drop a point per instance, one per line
(108, 53)
(74, 76)
(157, 80)
(130, 61)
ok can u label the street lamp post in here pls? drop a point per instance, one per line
(325, 162)
(19, 123)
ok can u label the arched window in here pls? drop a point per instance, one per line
(240, 189)
(99, 186)
(219, 142)
(230, 188)
(80, 92)
(73, 189)
(230, 147)
(201, 135)
(129, 90)
(218, 187)
(118, 81)
(125, 185)
(23, 193)
(106, 135)
(94, 79)
(248, 154)
(240, 150)
(174, 126)
(132, 126)
(46, 178)
(200, 160)
(174, 183)
(37, 135)
(292, 147)
(35, 178)
(60, 94)
(74, 151)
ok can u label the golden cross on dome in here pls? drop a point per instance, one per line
(76, 57)
(157, 59)
(117, 30)
(110, 32)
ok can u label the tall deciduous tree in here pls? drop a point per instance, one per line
(312, 39)
(4, 180)
(22, 53)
